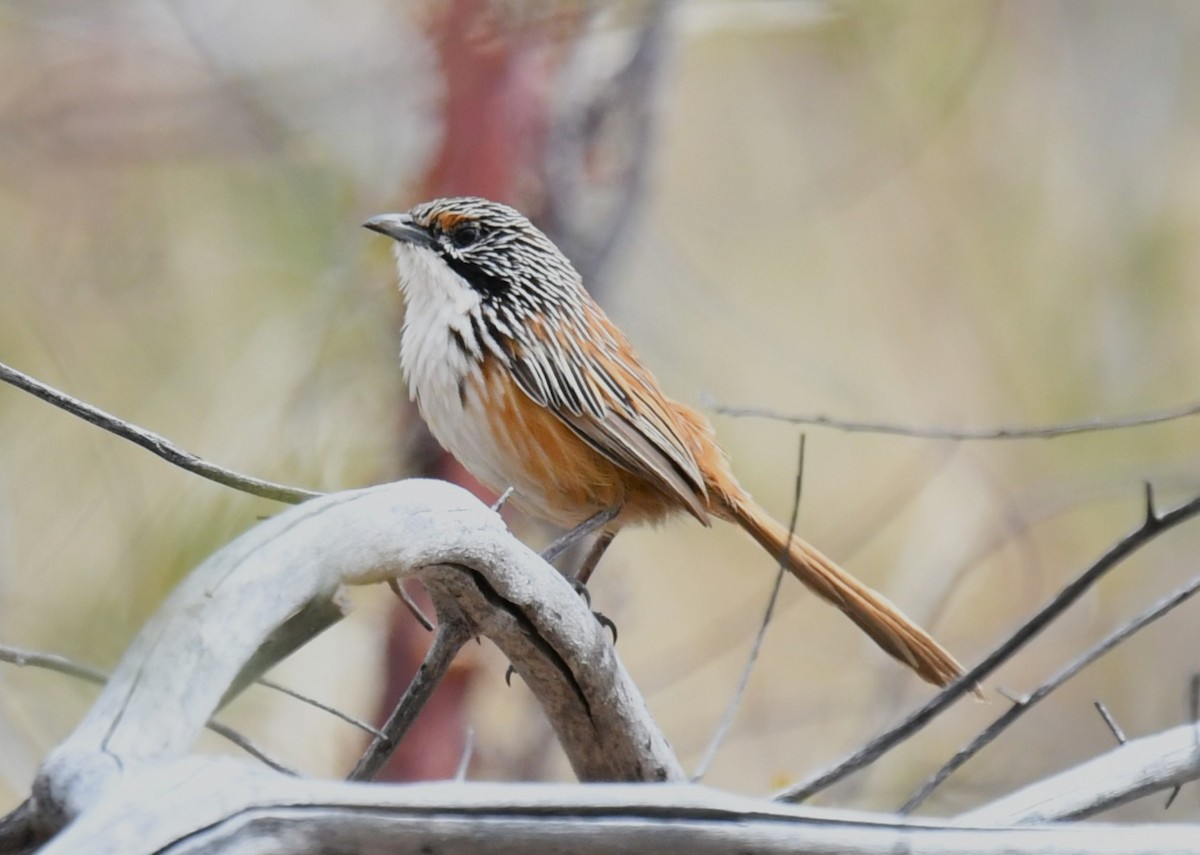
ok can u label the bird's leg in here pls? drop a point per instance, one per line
(580, 579)
(593, 558)
(595, 521)
(585, 573)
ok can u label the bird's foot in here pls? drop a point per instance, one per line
(604, 620)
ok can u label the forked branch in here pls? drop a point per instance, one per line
(1152, 525)
(180, 666)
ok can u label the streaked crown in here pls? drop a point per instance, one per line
(496, 250)
(479, 276)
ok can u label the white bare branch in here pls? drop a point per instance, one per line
(125, 783)
(227, 806)
(176, 672)
(1132, 770)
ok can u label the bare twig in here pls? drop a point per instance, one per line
(53, 662)
(1019, 709)
(250, 748)
(502, 499)
(962, 435)
(451, 634)
(1110, 722)
(464, 762)
(313, 702)
(411, 604)
(739, 692)
(1152, 526)
(63, 665)
(154, 443)
(1141, 766)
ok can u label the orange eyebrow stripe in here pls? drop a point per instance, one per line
(448, 220)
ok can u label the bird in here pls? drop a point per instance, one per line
(520, 375)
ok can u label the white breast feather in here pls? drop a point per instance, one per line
(440, 303)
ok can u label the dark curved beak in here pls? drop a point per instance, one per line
(400, 227)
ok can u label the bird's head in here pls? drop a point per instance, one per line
(488, 252)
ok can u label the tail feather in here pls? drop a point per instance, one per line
(889, 627)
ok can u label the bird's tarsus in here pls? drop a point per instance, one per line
(595, 521)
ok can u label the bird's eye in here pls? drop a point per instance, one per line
(464, 234)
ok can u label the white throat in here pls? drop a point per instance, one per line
(442, 358)
(439, 306)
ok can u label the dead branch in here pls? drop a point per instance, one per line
(1128, 772)
(178, 669)
(122, 782)
(1023, 705)
(204, 806)
(152, 442)
(1093, 425)
(1153, 524)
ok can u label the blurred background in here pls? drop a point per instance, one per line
(966, 215)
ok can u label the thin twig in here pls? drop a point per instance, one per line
(53, 662)
(1110, 722)
(739, 693)
(313, 702)
(154, 443)
(1152, 525)
(502, 499)
(464, 762)
(1014, 712)
(250, 748)
(452, 633)
(410, 604)
(962, 435)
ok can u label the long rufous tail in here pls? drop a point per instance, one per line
(876, 616)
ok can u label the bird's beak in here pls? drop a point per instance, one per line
(400, 227)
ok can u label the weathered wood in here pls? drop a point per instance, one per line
(177, 670)
(123, 781)
(1132, 770)
(205, 806)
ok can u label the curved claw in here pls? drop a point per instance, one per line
(606, 622)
